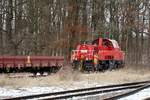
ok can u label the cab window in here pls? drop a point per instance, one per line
(95, 42)
(107, 43)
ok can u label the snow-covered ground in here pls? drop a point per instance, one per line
(15, 87)
(141, 95)
(6, 92)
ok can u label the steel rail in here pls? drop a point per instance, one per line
(77, 90)
(128, 93)
(89, 93)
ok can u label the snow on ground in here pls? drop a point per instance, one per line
(141, 95)
(6, 92)
(66, 80)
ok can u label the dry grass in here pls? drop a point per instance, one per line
(119, 76)
(63, 77)
(67, 77)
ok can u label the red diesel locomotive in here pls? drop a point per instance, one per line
(101, 54)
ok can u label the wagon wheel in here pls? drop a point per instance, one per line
(99, 67)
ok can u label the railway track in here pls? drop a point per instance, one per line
(119, 96)
(134, 87)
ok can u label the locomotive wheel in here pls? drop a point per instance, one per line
(111, 65)
(99, 67)
(106, 66)
(95, 68)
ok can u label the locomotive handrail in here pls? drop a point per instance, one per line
(80, 50)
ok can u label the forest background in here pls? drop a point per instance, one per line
(55, 27)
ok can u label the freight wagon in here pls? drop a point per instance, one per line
(34, 64)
